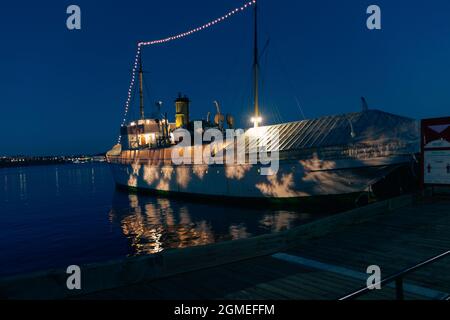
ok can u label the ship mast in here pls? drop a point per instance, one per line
(256, 119)
(141, 89)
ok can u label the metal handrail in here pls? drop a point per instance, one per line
(397, 277)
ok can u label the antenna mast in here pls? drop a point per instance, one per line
(141, 89)
(257, 117)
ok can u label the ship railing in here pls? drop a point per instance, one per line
(398, 279)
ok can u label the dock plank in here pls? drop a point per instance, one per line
(395, 240)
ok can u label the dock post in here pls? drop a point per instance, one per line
(399, 288)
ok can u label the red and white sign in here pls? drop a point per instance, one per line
(436, 151)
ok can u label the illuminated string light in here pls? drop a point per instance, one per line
(169, 39)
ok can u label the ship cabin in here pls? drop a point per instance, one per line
(146, 133)
(157, 133)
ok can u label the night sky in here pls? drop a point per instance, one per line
(63, 92)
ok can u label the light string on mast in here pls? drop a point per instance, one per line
(141, 45)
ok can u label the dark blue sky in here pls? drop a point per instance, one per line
(63, 91)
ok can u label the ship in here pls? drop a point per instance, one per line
(354, 156)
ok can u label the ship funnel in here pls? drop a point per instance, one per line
(182, 111)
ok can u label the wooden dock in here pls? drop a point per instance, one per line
(326, 259)
(327, 267)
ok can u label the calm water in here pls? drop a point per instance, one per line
(55, 216)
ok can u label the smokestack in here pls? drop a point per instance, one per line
(182, 111)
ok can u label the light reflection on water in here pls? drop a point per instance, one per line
(55, 216)
(154, 224)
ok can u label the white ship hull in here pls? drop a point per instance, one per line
(295, 179)
(329, 156)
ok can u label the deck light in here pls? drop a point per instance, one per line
(256, 121)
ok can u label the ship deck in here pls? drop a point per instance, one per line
(326, 267)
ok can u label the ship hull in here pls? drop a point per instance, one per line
(329, 156)
(295, 179)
